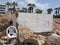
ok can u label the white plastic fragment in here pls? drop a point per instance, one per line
(11, 32)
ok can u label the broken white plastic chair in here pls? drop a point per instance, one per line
(11, 32)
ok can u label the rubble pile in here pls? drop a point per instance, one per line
(54, 39)
(4, 21)
(56, 26)
(26, 36)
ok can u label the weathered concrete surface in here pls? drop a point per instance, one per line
(36, 22)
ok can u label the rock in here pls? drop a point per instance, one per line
(4, 21)
(56, 32)
(31, 42)
(24, 33)
(4, 37)
(39, 40)
(56, 26)
(51, 40)
(2, 34)
(27, 36)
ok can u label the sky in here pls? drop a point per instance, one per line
(40, 4)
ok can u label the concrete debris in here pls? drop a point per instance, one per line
(24, 33)
(4, 21)
(31, 42)
(56, 26)
(56, 31)
(53, 40)
(26, 36)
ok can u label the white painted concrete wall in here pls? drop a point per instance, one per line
(36, 22)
